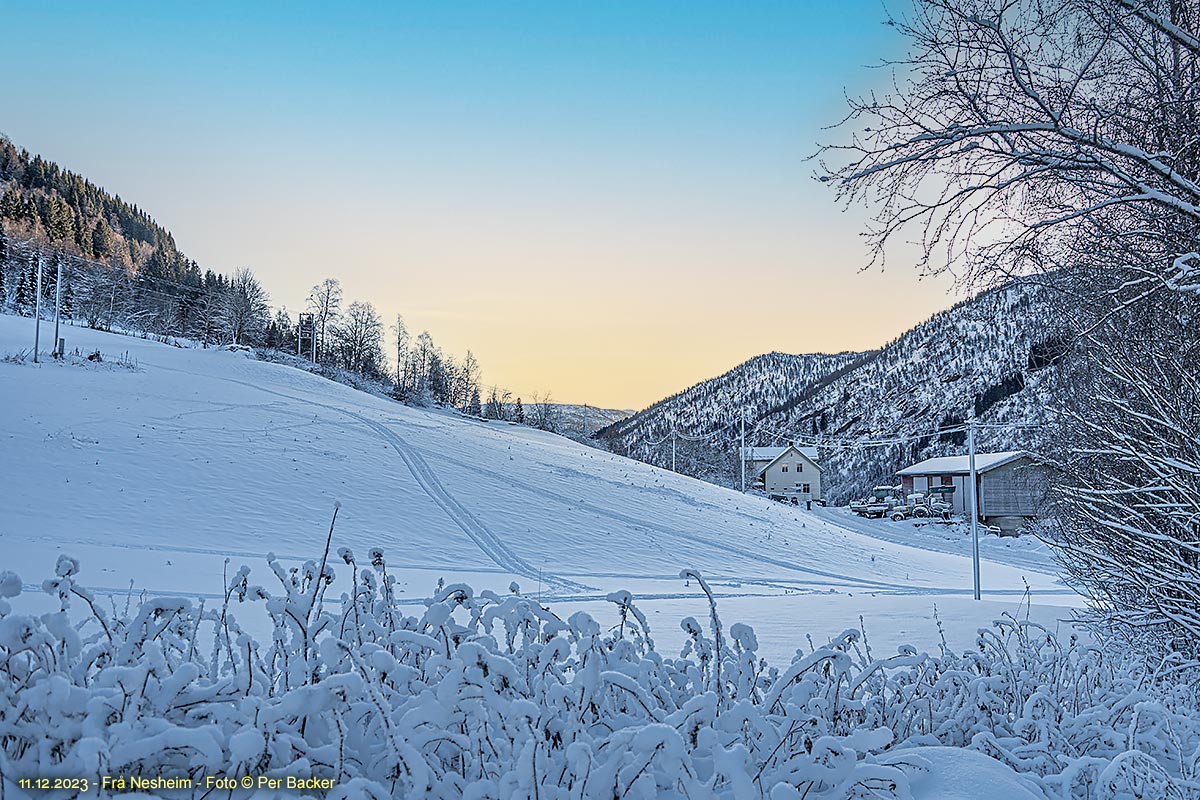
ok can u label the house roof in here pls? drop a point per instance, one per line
(757, 455)
(960, 465)
(761, 453)
(771, 454)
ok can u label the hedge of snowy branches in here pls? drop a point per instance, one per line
(493, 696)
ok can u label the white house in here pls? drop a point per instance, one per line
(790, 468)
(1011, 484)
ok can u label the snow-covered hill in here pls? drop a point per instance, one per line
(152, 473)
(993, 352)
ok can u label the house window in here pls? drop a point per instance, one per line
(799, 466)
(785, 467)
(807, 488)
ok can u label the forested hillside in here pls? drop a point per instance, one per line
(709, 413)
(122, 271)
(994, 353)
(120, 267)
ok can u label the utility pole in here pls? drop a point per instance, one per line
(57, 306)
(974, 498)
(37, 312)
(673, 448)
(742, 450)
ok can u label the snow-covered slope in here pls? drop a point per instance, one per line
(993, 351)
(154, 475)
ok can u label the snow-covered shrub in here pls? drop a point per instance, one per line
(486, 695)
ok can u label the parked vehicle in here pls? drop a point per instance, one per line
(918, 505)
(882, 500)
(870, 508)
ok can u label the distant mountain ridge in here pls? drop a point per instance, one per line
(994, 352)
(580, 422)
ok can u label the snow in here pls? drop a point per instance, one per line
(772, 453)
(138, 492)
(961, 465)
(945, 537)
(155, 476)
(953, 773)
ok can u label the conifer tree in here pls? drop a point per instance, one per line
(102, 240)
(10, 203)
(26, 289)
(3, 265)
(68, 299)
(519, 413)
(281, 332)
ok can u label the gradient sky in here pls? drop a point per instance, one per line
(607, 200)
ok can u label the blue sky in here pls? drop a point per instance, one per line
(606, 200)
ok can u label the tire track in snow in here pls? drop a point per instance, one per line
(468, 523)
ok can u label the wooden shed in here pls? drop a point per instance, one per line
(1012, 485)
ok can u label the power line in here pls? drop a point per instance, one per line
(848, 443)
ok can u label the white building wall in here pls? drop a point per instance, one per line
(783, 474)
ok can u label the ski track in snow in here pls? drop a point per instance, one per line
(688, 537)
(423, 474)
(509, 562)
(472, 501)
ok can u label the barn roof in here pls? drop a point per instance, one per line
(960, 465)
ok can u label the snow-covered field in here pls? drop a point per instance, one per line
(1027, 552)
(153, 476)
(139, 485)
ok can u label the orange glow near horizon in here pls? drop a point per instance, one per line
(609, 202)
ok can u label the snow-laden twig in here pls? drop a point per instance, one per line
(491, 695)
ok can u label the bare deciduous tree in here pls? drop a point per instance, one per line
(325, 303)
(400, 332)
(1062, 138)
(245, 310)
(544, 414)
(357, 339)
(1022, 132)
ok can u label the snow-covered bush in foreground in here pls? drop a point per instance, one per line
(493, 696)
